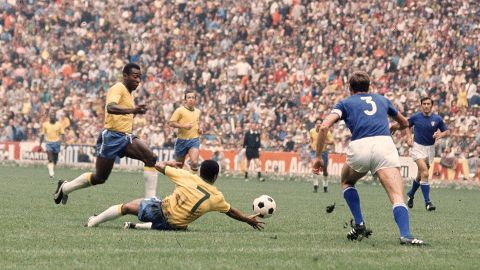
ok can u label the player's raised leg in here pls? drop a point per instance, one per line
(349, 178)
(103, 168)
(139, 150)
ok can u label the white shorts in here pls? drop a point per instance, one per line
(372, 154)
(419, 151)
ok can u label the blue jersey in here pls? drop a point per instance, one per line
(366, 114)
(424, 126)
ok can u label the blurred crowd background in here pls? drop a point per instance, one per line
(282, 64)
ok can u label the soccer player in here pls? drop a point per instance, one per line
(428, 127)
(53, 131)
(371, 149)
(187, 120)
(193, 197)
(252, 144)
(116, 139)
(329, 141)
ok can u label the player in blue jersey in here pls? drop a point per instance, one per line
(371, 149)
(427, 128)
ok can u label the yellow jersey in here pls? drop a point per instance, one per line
(314, 137)
(182, 115)
(119, 94)
(192, 198)
(52, 132)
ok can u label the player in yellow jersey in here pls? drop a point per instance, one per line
(116, 139)
(329, 141)
(187, 120)
(53, 131)
(193, 197)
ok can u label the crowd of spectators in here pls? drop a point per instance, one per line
(281, 64)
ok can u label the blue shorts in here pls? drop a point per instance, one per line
(313, 155)
(112, 144)
(151, 211)
(183, 145)
(53, 147)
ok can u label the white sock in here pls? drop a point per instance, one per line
(315, 180)
(82, 181)
(325, 182)
(50, 166)
(151, 175)
(111, 213)
(143, 226)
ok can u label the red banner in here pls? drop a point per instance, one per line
(9, 150)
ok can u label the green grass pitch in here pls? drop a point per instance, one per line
(36, 234)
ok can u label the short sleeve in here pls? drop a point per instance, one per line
(391, 111)
(114, 94)
(411, 121)
(441, 125)
(220, 205)
(175, 116)
(339, 109)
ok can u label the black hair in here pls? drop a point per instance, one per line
(425, 98)
(209, 170)
(188, 91)
(359, 81)
(127, 69)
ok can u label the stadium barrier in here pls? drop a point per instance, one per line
(460, 171)
(277, 163)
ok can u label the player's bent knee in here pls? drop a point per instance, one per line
(150, 162)
(127, 209)
(96, 180)
(348, 182)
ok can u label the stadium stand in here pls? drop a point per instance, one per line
(278, 63)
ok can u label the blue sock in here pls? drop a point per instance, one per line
(415, 186)
(426, 191)
(353, 200)
(400, 213)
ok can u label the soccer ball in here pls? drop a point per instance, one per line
(264, 206)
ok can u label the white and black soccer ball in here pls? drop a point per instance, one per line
(264, 206)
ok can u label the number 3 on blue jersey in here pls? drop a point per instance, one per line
(369, 100)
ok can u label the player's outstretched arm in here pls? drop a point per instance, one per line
(160, 166)
(251, 220)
